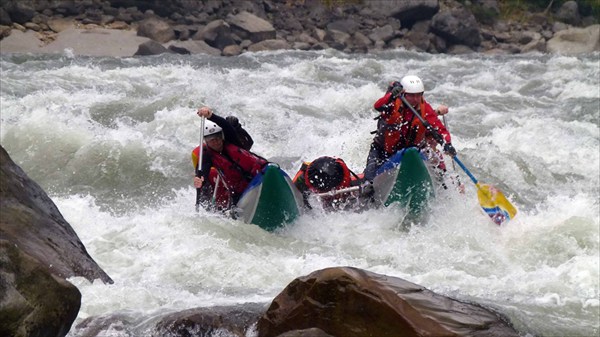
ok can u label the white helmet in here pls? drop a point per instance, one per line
(412, 84)
(210, 128)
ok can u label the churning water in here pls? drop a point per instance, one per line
(110, 141)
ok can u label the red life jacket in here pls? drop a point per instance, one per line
(401, 128)
(237, 166)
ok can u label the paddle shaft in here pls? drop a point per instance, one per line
(493, 202)
(446, 125)
(438, 137)
(340, 191)
(199, 166)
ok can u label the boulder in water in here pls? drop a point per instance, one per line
(351, 302)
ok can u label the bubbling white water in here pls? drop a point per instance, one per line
(110, 140)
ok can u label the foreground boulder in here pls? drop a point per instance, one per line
(38, 251)
(33, 302)
(31, 221)
(231, 321)
(353, 302)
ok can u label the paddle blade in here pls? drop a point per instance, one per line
(495, 204)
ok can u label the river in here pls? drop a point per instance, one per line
(110, 140)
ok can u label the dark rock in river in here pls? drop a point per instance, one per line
(31, 221)
(38, 251)
(351, 302)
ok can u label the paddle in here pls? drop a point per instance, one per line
(493, 202)
(340, 191)
(199, 166)
(453, 166)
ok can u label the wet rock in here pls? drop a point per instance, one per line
(225, 321)
(312, 332)
(351, 302)
(33, 302)
(32, 222)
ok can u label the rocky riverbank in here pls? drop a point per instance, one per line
(231, 27)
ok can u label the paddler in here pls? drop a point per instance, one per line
(399, 128)
(331, 179)
(225, 160)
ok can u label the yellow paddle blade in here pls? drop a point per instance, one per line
(495, 204)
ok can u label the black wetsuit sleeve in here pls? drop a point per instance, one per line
(229, 131)
(245, 138)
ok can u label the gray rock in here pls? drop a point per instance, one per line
(4, 17)
(385, 33)
(337, 39)
(151, 48)
(320, 34)
(249, 26)
(535, 45)
(33, 26)
(305, 38)
(558, 26)
(20, 11)
(156, 29)
(459, 49)
(232, 50)
(569, 13)
(301, 45)
(60, 24)
(33, 302)
(348, 26)
(217, 34)
(31, 221)
(312, 332)
(192, 47)
(360, 42)
(231, 321)
(407, 11)
(4, 31)
(457, 26)
(575, 41)
(269, 45)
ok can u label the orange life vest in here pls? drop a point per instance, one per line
(401, 128)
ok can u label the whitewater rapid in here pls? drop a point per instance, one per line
(110, 140)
